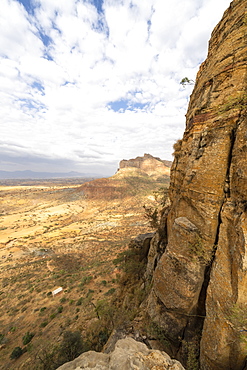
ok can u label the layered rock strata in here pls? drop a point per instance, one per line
(201, 278)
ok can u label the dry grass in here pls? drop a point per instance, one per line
(52, 236)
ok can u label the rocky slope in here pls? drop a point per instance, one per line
(127, 355)
(200, 282)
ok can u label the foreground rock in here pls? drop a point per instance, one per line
(203, 271)
(127, 355)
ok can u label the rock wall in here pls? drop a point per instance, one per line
(201, 278)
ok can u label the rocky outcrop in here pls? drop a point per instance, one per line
(148, 164)
(133, 173)
(201, 278)
(127, 355)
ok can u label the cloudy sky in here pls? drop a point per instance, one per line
(86, 83)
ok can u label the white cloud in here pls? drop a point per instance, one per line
(65, 65)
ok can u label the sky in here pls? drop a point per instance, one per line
(87, 83)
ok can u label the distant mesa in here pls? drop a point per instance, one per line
(153, 166)
(132, 176)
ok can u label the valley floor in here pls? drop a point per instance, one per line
(53, 235)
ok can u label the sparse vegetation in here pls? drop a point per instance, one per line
(234, 102)
(27, 338)
(238, 318)
(79, 301)
(156, 331)
(177, 146)
(78, 260)
(72, 346)
(192, 354)
(16, 353)
(186, 81)
(198, 250)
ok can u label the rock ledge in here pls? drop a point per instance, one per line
(127, 355)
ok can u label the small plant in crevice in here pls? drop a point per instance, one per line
(236, 102)
(238, 319)
(177, 146)
(153, 213)
(192, 353)
(154, 330)
(198, 250)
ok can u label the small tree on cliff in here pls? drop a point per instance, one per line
(186, 81)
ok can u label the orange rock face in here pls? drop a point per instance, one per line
(203, 271)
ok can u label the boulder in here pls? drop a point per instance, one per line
(127, 355)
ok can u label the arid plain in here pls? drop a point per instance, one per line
(64, 233)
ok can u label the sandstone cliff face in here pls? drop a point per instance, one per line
(203, 271)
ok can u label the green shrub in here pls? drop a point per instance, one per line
(85, 280)
(43, 324)
(132, 263)
(71, 346)
(2, 338)
(152, 215)
(16, 353)
(60, 309)
(27, 338)
(79, 302)
(53, 315)
(110, 291)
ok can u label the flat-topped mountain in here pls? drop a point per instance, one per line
(153, 166)
(133, 177)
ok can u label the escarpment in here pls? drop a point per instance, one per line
(201, 278)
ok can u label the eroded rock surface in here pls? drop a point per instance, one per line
(203, 271)
(127, 355)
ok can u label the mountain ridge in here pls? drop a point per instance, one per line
(28, 174)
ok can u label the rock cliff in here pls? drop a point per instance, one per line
(199, 290)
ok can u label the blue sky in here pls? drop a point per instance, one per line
(86, 83)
